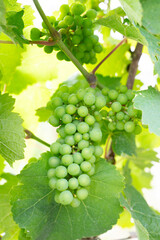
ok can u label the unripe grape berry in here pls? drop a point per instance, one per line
(61, 184)
(137, 130)
(60, 55)
(68, 20)
(61, 132)
(85, 136)
(55, 147)
(83, 144)
(86, 153)
(35, 34)
(104, 113)
(53, 121)
(126, 117)
(120, 125)
(75, 203)
(56, 102)
(66, 118)
(64, 9)
(131, 111)
(61, 172)
(112, 126)
(81, 92)
(98, 48)
(97, 116)
(130, 94)
(53, 162)
(70, 128)
(82, 194)
(116, 107)
(100, 102)
(84, 180)
(83, 127)
(56, 197)
(65, 149)
(92, 159)
(105, 91)
(90, 120)
(51, 173)
(113, 94)
(89, 99)
(96, 135)
(67, 159)
(52, 182)
(76, 39)
(91, 13)
(60, 111)
(85, 166)
(122, 98)
(123, 89)
(48, 49)
(120, 116)
(69, 140)
(129, 126)
(77, 9)
(66, 197)
(76, 122)
(77, 137)
(70, 109)
(98, 150)
(91, 172)
(77, 158)
(73, 99)
(82, 111)
(73, 169)
(73, 183)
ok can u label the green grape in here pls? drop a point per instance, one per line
(92, 159)
(60, 55)
(77, 9)
(85, 136)
(116, 107)
(68, 20)
(137, 130)
(104, 113)
(61, 184)
(82, 111)
(94, 39)
(73, 169)
(53, 162)
(82, 47)
(126, 117)
(84, 180)
(70, 128)
(77, 137)
(86, 57)
(73, 99)
(120, 125)
(61, 132)
(111, 113)
(123, 89)
(92, 147)
(87, 23)
(35, 34)
(61, 172)
(85, 166)
(66, 197)
(79, 55)
(122, 99)
(51, 173)
(76, 39)
(56, 197)
(70, 109)
(48, 49)
(66, 118)
(130, 94)
(65, 149)
(89, 99)
(55, 148)
(113, 94)
(64, 9)
(76, 122)
(60, 140)
(52, 182)
(131, 111)
(83, 127)
(73, 183)
(87, 32)
(91, 13)
(67, 159)
(90, 120)
(77, 158)
(105, 91)
(56, 102)
(93, 60)
(69, 140)
(98, 150)
(78, 32)
(91, 172)
(60, 111)
(82, 194)
(97, 116)
(53, 121)
(83, 144)
(78, 20)
(75, 203)
(112, 126)
(96, 135)
(80, 94)
(98, 48)
(65, 98)
(86, 153)
(100, 102)
(129, 126)
(120, 116)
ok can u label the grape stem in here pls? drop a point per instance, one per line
(108, 55)
(47, 43)
(30, 135)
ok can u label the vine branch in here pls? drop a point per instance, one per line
(134, 65)
(30, 135)
(47, 43)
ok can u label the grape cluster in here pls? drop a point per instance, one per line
(77, 31)
(77, 149)
(121, 115)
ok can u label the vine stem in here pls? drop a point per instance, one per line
(30, 135)
(104, 59)
(56, 36)
(47, 43)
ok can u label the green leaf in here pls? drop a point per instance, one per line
(11, 131)
(43, 113)
(107, 81)
(35, 210)
(23, 235)
(105, 131)
(133, 10)
(2, 12)
(141, 212)
(7, 225)
(124, 143)
(141, 231)
(148, 101)
(151, 16)
(114, 22)
(2, 165)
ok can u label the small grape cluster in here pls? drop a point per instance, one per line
(77, 30)
(122, 115)
(77, 149)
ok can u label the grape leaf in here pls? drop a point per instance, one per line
(151, 17)
(23, 235)
(35, 210)
(124, 143)
(141, 231)
(114, 22)
(148, 101)
(1, 164)
(43, 113)
(7, 225)
(11, 131)
(141, 212)
(107, 81)
(133, 10)
(2, 12)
